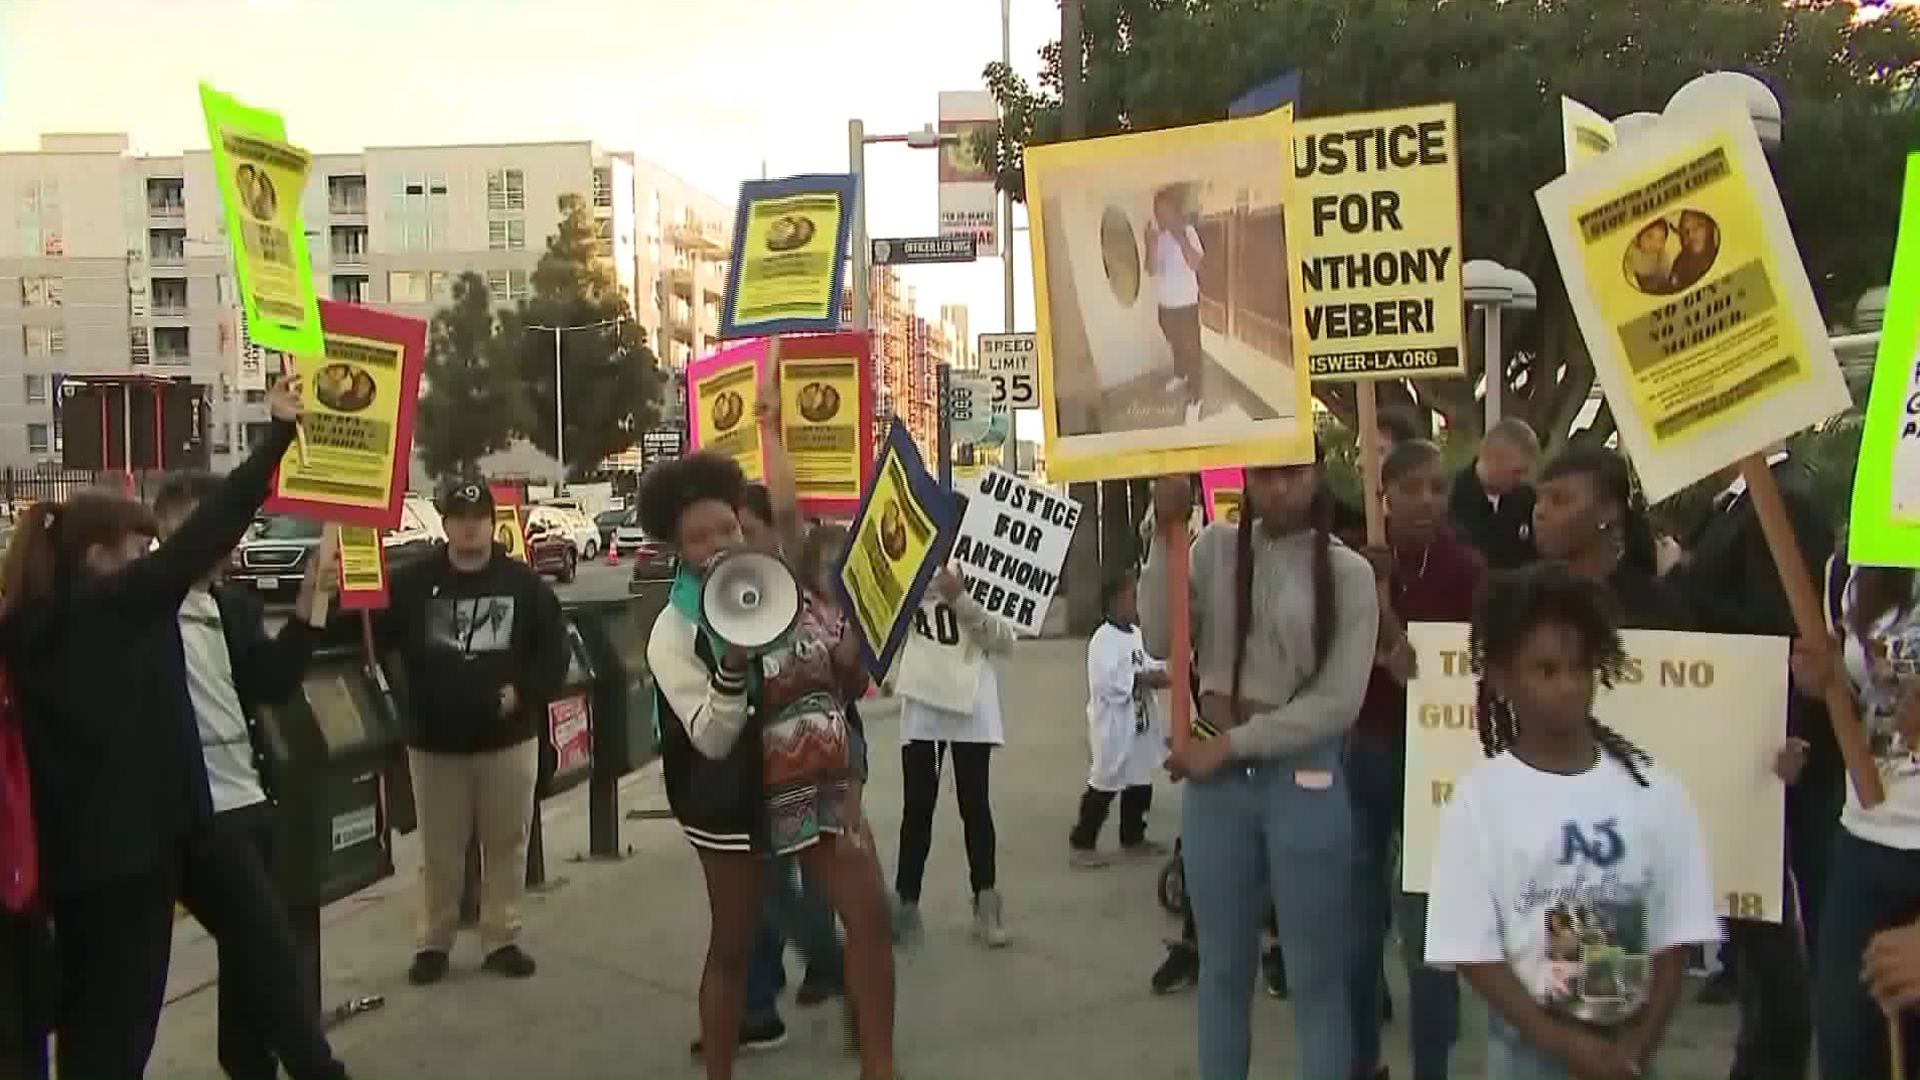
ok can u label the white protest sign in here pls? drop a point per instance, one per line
(1709, 709)
(1013, 362)
(968, 396)
(1012, 542)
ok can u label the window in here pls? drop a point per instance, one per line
(508, 235)
(437, 190)
(39, 438)
(34, 387)
(414, 236)
(440, 286)
(170, 296)
(603, 187)
(172, 344)
(42, 291)
(349, 288)
(44, 340)
(407, 287)
(506, 189)
(507, 285)
(223, 288)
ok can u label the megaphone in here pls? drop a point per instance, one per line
(750, 600)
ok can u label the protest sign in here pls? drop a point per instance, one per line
(1884, 525)
(789, 255)
(1585, 133)
(903, 529)
(261, 177)
(363, 569)
(1380, 261)
(1691, 296)
(1013, 540)
(1221, 493)
(723, 393)
(1159, 353)
(509, 531)
(362, 389)
(1705, 707)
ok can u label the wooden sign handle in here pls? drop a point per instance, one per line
(1173, 534)
(1792, 568)
(1369, 439)
(1896, 1046)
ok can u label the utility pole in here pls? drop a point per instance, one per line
(1083, 552)
(1011, 457)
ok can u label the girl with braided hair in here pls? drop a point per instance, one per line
(1284, 621)
(1569, 873)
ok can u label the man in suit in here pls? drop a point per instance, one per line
(1727, 575)
(1391, 427)
(1492, 502)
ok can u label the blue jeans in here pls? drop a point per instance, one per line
(1253, 829)
(1376, 780)
(794, 908)
(1869, 888)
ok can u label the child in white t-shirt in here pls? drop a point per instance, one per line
(1126, 728)
(1569, 873)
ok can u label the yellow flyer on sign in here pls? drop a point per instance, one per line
(363, 568)
(1706, 707)
(361, 395)
(726, 397)
(904, 524)
(261, 177)
(1380, 261)
(789, 249)
(820, 423)
(1692, 298)
(508, 531)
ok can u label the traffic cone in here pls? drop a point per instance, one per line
(613, 551)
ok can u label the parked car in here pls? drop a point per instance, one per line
(273, 558)
(607, 521)
(653, 560)
(569, 523)
(550, 550)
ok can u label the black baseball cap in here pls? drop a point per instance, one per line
(467, 497)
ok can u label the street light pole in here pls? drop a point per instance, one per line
(559, 398)
(857, 165)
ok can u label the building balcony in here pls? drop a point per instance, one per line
(345, 207)
(169, 310)
(167, 209)
(681, 281)
(168, 257)
(701, 239)
(347, 256)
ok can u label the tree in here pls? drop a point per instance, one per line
(1844, 86)
(609, 379)
(473, 404)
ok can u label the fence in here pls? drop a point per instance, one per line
(19, 486)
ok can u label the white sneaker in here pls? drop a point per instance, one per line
(988, 926)
(906, 923)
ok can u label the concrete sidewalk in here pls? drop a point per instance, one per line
(620, 946)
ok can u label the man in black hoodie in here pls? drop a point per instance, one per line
(484, 651)
(1492, 502)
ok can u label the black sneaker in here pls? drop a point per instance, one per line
(815, 991)
(1273, 971)
(769, 1033)
(509, 960)
(1179, 971)
(429, 966)
(1386, 1006)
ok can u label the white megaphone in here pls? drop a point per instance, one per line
(750, 600)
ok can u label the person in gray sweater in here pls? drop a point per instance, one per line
(1284, 622)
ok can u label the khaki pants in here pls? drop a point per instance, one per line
(457, 794)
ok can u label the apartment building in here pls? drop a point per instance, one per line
(116, 263)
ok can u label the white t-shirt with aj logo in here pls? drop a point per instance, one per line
(1577, 882)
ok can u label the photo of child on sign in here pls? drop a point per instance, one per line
(1162, 274)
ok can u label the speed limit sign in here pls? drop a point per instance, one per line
(969, 397)
(1012, 361)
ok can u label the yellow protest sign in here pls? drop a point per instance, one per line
(261, 177)
(1705, 707)
(1585, 133)
(1167, 292)
(904, 520)
(508, 531)
(1692, 298)
(1380, 261)
(826, 419)
(789, 253)
(363, 568)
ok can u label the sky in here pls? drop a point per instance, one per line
(711, 89)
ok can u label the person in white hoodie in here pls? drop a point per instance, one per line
(1126, 728)
(950, 706)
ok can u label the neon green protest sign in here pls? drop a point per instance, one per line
(1884, 527)
(261, 178)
